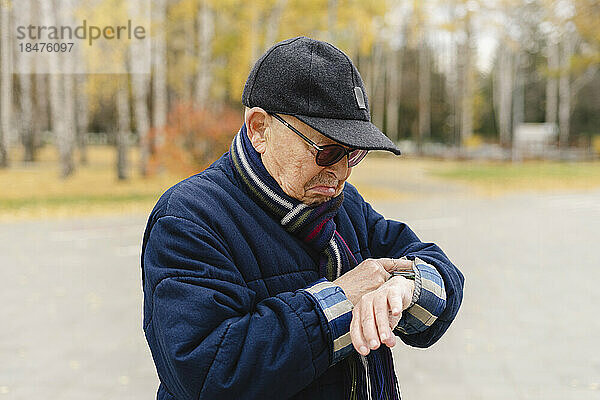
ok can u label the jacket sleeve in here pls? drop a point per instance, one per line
(389, 238)
(208, 335)
(428, 301)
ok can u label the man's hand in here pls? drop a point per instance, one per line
(368, 276)
(378, 312)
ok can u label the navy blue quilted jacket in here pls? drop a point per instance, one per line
(224, 315)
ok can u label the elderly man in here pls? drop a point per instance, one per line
(267, 276)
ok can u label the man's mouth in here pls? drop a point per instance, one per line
(324, 190)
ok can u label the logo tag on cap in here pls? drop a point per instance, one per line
(360, 98)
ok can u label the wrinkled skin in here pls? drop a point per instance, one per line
(291, 160)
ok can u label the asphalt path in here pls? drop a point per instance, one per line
(71, 314)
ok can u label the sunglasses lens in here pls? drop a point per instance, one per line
(330, 155)
(356, 156)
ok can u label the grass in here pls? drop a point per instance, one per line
(34, 190)
(501, 177)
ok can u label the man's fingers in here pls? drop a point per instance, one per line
(358, 340)
(394, 321)
(367, 321)
(395, 300)
(380, 307)
(390, 264)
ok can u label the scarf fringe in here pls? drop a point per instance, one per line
(366, 378)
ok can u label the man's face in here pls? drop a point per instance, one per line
(291, 160)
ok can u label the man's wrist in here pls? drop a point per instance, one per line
(417, 283)
(429, 299)
(412, 275)
(406, 273)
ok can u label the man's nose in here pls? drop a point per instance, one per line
(340, 169)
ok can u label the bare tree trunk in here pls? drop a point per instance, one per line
(504, 83)
(82, 117)
(123, 126)
(81, 108)
(5, 82)
(424, 94)
(552, 83)
(67, 137)
(27, 131)
(453, 79)
(453, 88)
(40, 122)
(23, 13)
(56, 90)
(466, 126)
(140, 87)
(272, 28)
(564, 101)
(377, 85)
(332, 10)
(394, 73)
(58, 113)
(519, 91)
(40, 99)
(159, 54)
(205, 36)
(189, 50)
(255, 24)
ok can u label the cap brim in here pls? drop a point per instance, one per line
(351, 132)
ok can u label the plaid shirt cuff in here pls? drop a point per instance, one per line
(428, 302)
(338, 310)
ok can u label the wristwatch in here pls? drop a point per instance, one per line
(407, 273)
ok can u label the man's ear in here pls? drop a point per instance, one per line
(257, 123)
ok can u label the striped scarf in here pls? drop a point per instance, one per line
(370, 377)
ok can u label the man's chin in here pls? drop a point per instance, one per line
(315, 198)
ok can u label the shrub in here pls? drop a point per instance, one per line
(193, 138)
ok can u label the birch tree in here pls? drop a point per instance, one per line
(393, 93)
(564, 92)
(503, 92)
(58, 113)
(332, 10)
(5, 81)
(458, 71)
(468, 84)
(376, 79)
(159, 67)
(519, 90)
(140, 87)
(419, 29)
(205, 38)
(41, 99)
(25, 97)
(424, 92)
(123, 125)
(41, 120)
(272, 28)
(566, 21)
(81, 108)
(82, 117)
(569, 86)
(66, 137)
(551, 81)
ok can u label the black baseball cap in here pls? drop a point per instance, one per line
(317, 83)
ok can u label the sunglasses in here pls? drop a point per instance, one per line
(329, 154)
